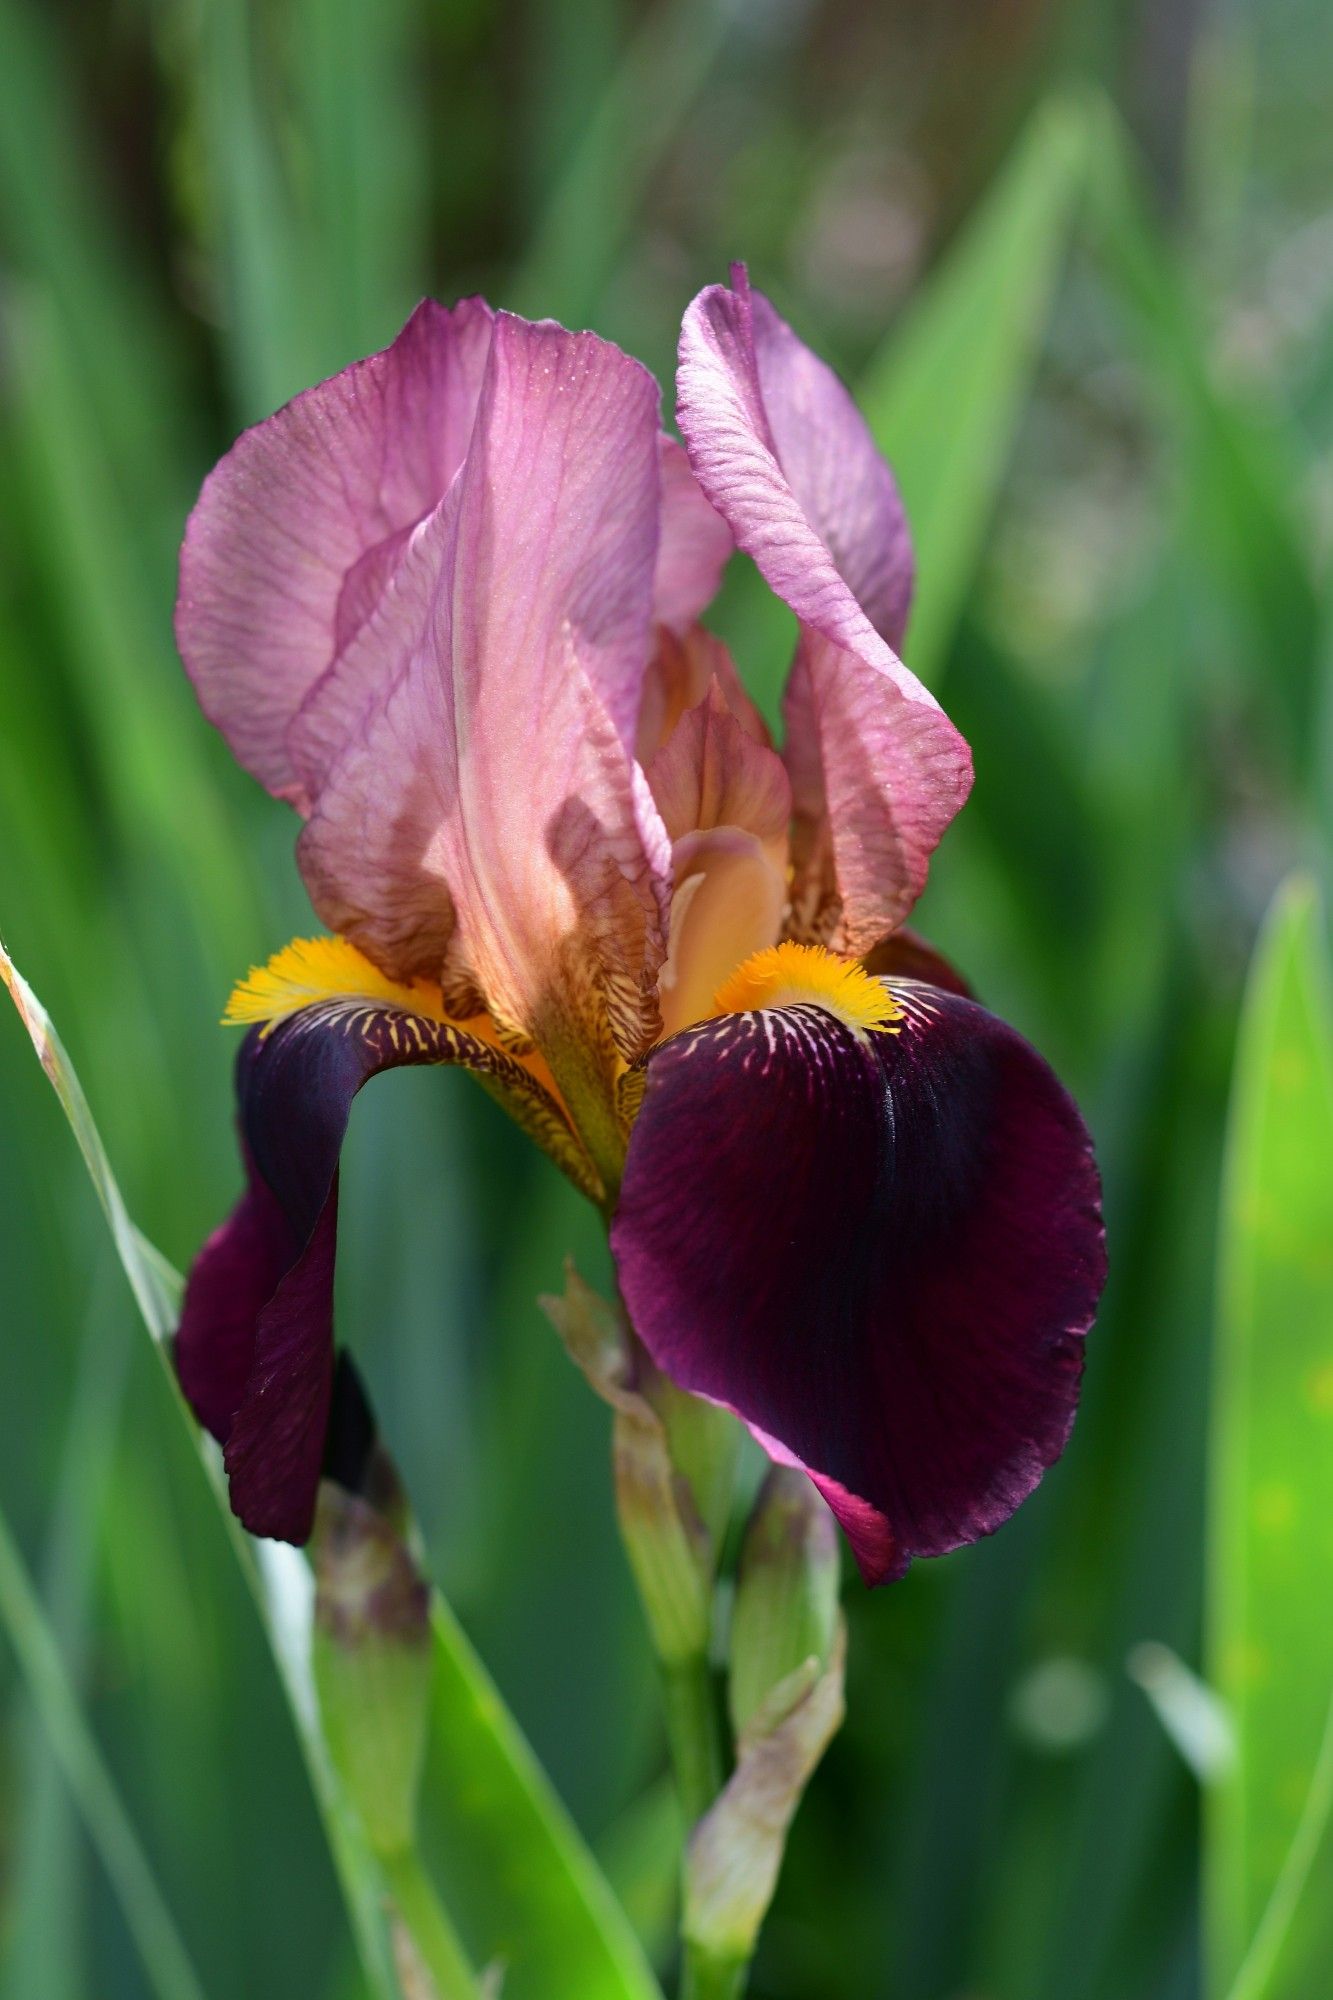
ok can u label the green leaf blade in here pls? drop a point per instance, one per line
(944, 396)
(1269, 1863)
(527, 1888)
(543, 1906)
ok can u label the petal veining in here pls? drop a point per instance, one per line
(679, 676)
(882, 1251)
(712, 772)
(781, 452)
(298, 528)
(489, 812)
(694, 545)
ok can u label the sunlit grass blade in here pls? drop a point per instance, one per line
(510, 1851)
(166, 1963)
(1269, 1844)
(280, 1579)
(154, 1292)
(549, 1912)
(356, 69)
(945, 394)
(39, 1951)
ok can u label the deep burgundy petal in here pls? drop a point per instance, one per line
(254, 1350)
(882, 1252)
(233, 1278)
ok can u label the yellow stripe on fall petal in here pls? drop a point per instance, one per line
(309, 971)
(792, 975)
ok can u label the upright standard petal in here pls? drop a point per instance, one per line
(694, 545)
(882, 1249)
(300, 526)
(255, 1348)
(490, 810)
(877, 769)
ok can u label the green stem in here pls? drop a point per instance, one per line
(695, 1738)
(436, 1941)
(704, 1977)
(693, 1734)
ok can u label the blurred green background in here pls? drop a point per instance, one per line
(1079, 260)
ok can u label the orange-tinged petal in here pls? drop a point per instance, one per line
(488, 818)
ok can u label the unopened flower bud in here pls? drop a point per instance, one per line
(372, 1661)
(674, 1460)
(786, 1610)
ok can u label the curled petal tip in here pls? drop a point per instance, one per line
(780, 449)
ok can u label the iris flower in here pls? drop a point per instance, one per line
(447, 606)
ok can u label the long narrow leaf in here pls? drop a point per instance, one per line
(550, 1914)
(1269, 1847)
(511, 1850)
(166, 1962)
(945, 394)
(280, 1579)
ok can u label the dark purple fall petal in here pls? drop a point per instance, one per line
(883, 1252)
(254, 1350)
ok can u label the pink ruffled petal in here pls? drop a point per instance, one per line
(488, 816)
(836, 475)
(878, 771)
(298, 529)
(694, 545)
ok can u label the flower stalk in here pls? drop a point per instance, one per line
(675, 1459)
(694, 1733)
(844, 1202)
(372, 1665)
(425, 1941)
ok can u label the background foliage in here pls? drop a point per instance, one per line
(1079, 259)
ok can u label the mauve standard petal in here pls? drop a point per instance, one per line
(297, 529)
(491, 810)
(254, 1350)
(837, 477)
(778, 448)
(712, 772)
(679, 676)
(882, 1251)
(694, 545)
